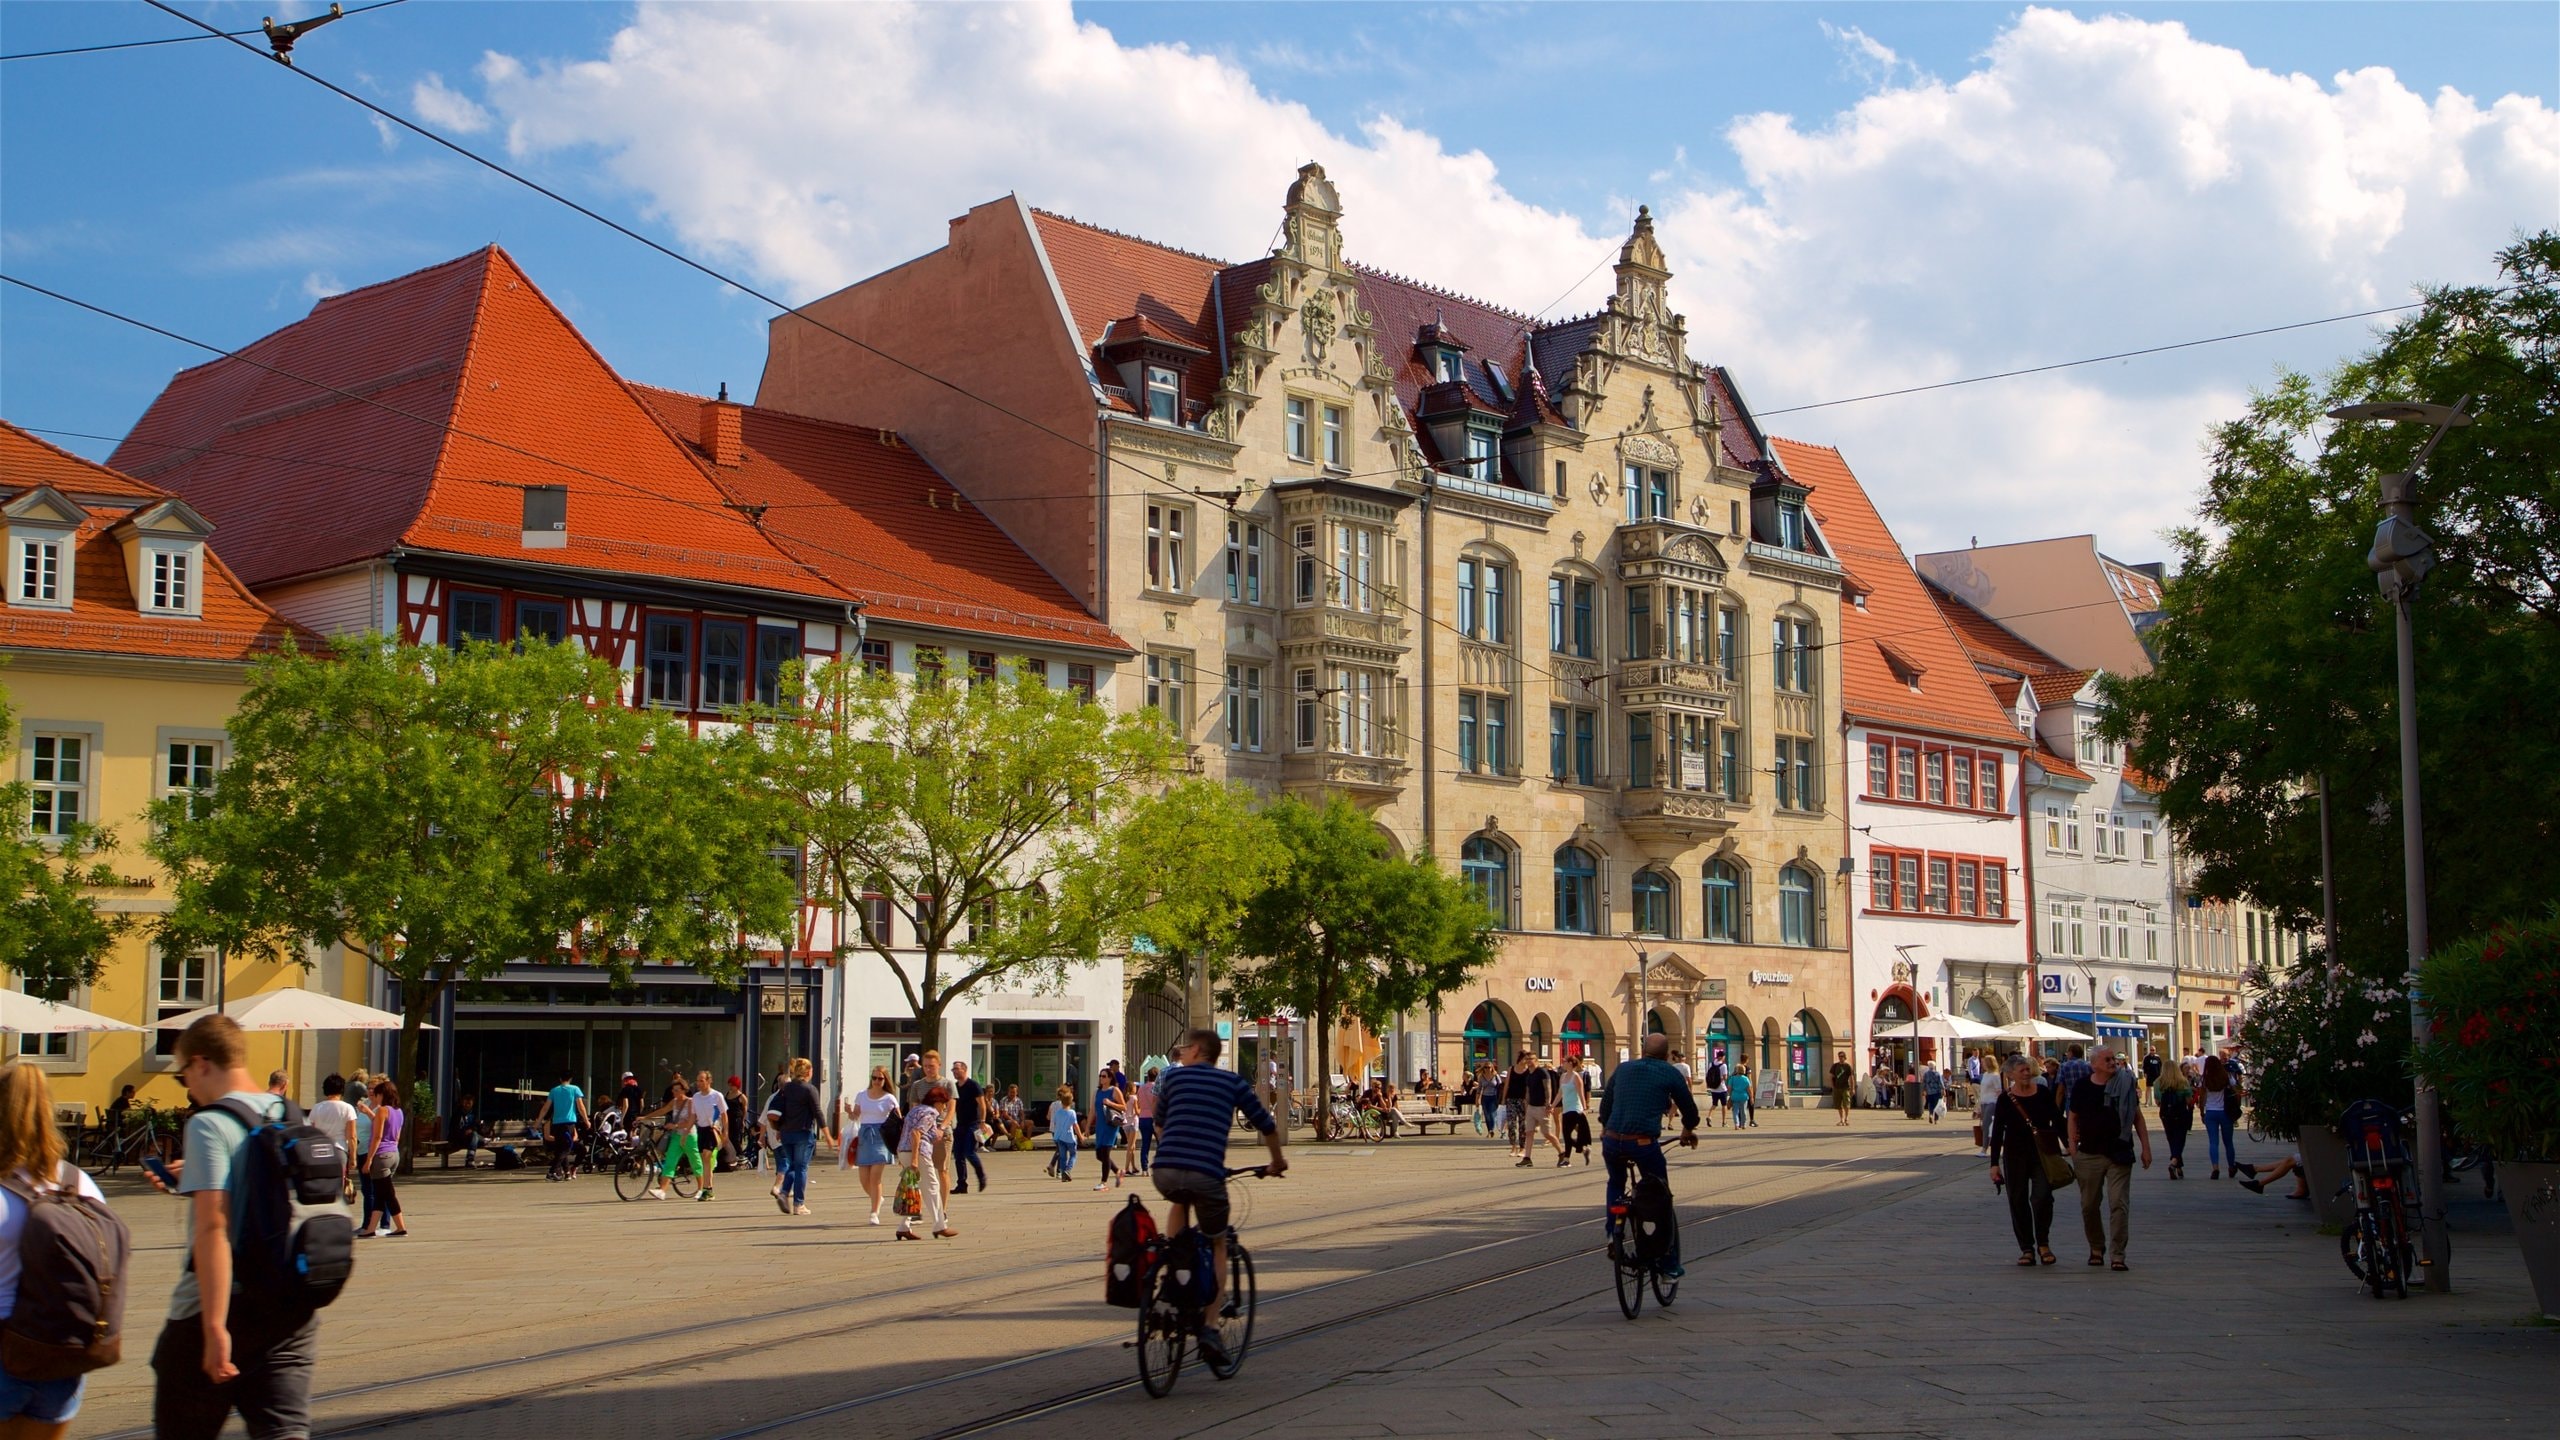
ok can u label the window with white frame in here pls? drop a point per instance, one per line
(1310, 714)
(173, 584)
(2071, 829)
(2150, 842)
(1296, 433)
(1244, 708)
(2079, 940)
(1164, 394)
(1355, 566)
(1168, 531)
(188, 769)
(1302, 543)
(45, 1047)
(1244, 562)
(1168, 690)
(1483, 595)
(59, 783)
(181, 980)
(2055, 933)
(1337, 439)
(1791, 654)
(39, 572)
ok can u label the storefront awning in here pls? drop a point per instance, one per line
(1478, 1032)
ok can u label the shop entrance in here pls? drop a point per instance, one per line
(1892, 1056)
(1806, 1042)
(1729, 1041)
(1586, 1034)
(1037, 1055)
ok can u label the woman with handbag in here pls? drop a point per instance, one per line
(388, 1118)
(920, 1184)
(2026, 1152)
(2177, 1101)
(867, 1145)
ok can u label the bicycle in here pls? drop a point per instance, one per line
(1634, 1270)
(639, 1161)
(2377, 1247)
(1167, 1320)
(122, 1147)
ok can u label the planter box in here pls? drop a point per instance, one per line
(2324, 1159)
(2533, 1202)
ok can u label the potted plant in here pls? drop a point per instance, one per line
(2495, 1061)
(2317, 1040)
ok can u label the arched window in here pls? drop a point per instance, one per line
(1728, 1040)
(1488, 1035)
(1486, 865)
(1577, 891)
(1653, 903)
(1720, 901)
(1796, 923)
(1586, 1033)
(1805, 1040)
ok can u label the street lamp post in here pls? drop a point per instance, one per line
(2402, 556)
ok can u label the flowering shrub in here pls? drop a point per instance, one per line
(2495, 1002)
(2320, 1038)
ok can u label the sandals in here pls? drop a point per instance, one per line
(2045, 1254)
(2026, 1258)
(2118, 1265)
(2096, 1259)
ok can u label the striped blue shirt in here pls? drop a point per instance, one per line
(1195, 1111)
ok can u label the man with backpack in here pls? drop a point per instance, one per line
(1631, 1131)
(244, 1337)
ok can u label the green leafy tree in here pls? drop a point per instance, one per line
(1349, 928)
(52, 933)
(1208, 852)
(2276, 652)
(1001, 821)
(441, 813)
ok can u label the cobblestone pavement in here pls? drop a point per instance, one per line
(1421, 1286)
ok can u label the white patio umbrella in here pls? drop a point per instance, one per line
(1943, 1027)
(32, 1015)
(2034, 1028)
(294, 1010)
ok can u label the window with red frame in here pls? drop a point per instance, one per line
(1946, 776)
(1912, 882)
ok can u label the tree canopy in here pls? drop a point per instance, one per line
(2276, 651)
(442, 813)
(1351, 928)
(1018, 831)
(52, 933)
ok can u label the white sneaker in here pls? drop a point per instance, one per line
(655, 1193)
(875, 1217)
(803, 1210)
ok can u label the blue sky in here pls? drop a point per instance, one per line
(1502, 149)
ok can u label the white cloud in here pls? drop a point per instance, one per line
(385, 132)
(320, 285)
(2089, 186)
(441, 107)
(1865, 56)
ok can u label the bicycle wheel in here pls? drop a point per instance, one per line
(1630, 1284)
(1235, 1310)
(686, 1182)
(1666, 1286)
(1160, 1341)
(2391, 1233)
(2351, 1249)
(631, 1177)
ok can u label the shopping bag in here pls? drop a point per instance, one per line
(910, 1192)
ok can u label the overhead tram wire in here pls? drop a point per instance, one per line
(1223, 502)
(174, 39)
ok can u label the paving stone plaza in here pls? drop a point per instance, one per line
(1840, 1283)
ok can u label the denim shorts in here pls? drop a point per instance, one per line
(49, 1400)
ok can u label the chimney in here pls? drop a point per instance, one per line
(724, 430)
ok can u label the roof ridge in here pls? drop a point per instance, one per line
(1210, 260)
(326, 302)
(1505, 311)
(84, 462)
(746, 510)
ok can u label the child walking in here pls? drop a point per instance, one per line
(1062, 1129)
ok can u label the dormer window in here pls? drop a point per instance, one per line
(1791, 525)
(1164, 394)
(1450, 366)
(44, 536)
(164, 555)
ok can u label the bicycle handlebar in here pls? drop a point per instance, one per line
(1259, 1172)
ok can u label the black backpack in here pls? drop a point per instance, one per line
(293, 1244)
(1124, 1255)
(1649, 1212)
(72, 1280)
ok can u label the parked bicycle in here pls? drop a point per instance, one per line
(1167, 1320)
(104, 1150)
(2376, 1245)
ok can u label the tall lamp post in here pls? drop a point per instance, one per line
(2402, 556)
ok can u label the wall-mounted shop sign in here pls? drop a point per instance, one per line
(1540, 983)
(1773, 977)
(2152, 992)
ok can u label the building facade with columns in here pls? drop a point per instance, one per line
(1539, 597)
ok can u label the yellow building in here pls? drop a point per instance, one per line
(127, 646)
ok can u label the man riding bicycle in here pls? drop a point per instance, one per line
(1631, 1132)
(1196, 1104)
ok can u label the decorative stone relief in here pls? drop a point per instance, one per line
(1317, 317)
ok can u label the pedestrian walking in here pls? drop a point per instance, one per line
(631, 1096)
(1986, 1096)
(868, 1148)
(360, 1155)
(922, 1141)
(797, 1116)
(684, 1141)
(1147, 1119)
(1718, 1094)
(2027, 1142)
(1104, 1130)
(1844, 1083)
(927, 1075)
(1128, 1119)
(34, 1163)
(968, 1111)
(2177, 1102)
(2075, 1068)
(384, 1164)
(1574, 1100)
(2218, 1100)
(335, 1118)
(710, 1113)
(217, 1354)
(1062, 1132)
(1933, 1093)
(2105, 1121)
(1738, 1099)
(566, 1107)
(733, 1135)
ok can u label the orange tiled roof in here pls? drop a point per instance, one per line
(1990, 643)
(493, 385)
(2004, 688)
(2056, 687)
(103, 618)
(862, 508)
(1899, 625)
(1107, 276)
(2055, 762)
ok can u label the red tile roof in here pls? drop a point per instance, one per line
(495, 385)
(1107, 276)
(862, 508)
(103, 619)
(2055, 762)
(2056, 687)
(2004, 688)
(1991, 644)
(1898, 625)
